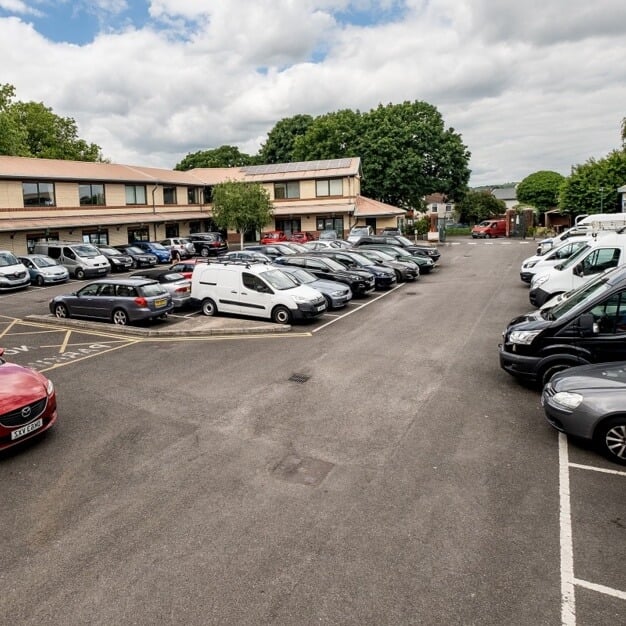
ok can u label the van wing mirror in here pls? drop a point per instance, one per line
(587, 325)
(578, 270)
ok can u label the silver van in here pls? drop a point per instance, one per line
(82, 260)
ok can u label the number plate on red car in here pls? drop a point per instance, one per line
(20, 432)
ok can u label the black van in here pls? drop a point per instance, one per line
(587, 326)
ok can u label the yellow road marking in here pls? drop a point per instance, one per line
(65, 340)
(8, 328)
(89, 356)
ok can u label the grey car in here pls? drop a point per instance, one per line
(336, 294)
(174, 283)
(117, 300)
(589, 401)
(44, 270)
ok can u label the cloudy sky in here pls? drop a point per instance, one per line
(532, 85)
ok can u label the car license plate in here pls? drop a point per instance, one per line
(20, 432)
(161, 302)
(320, 308)
(102, 270)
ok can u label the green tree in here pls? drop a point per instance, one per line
(241, 206)
(592, 186)
(279, 146)
(540, 190)
(479, 205)
(224, 156)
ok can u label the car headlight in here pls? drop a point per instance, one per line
(531, 264)
(539, 280)
(337, 293)
(300, 299)
(49, 387)
(567, 399)
(523, 337)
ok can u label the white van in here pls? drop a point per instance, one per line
(254, 289)
(593, 258)
(539, 263)
(82, 260)
(13, 273)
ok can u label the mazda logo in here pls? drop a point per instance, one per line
(26, 412)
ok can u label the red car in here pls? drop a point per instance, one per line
(273, 236)
(186, 267)
(28, 403)
(301, 237)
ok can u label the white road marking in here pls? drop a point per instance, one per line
(568, 599)
(591, 468)
(616, 593)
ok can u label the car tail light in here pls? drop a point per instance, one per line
(141, 301)
(182, 289)
(215, 244)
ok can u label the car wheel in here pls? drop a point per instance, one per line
(329, 303)
(546, 375)
(281, 315)
(204, 252)
(209, 308)
(163, 316)
(80, 273)
(120, 317)
(133, 265)
(611, 439)
(399, 277)
(61, 311)
(40, 281)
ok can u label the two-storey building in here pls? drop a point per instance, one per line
(116, 204)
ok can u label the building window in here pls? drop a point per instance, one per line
(207, 194)
(171, 230)
(283, 191)
(288, 226)
(193, 195)
(135, 194)
(329, 187)
(434, 208)
(38, 194)
(138, 234)
(96, 237)
(91, 194)
(331, 223)
(33, 238)
(169, 195)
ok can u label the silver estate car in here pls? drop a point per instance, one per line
(589, 402)
(174, 283)
(117, 300)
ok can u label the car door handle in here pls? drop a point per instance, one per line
(233, 292)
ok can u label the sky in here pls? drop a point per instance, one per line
(529, 86)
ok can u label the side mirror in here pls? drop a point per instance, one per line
(587, 325)
(578, 270)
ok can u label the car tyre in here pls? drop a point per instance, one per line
(40, 281)
(546, 375)
(611, 439)
(204, 252)
(61, 311)
(329, 303)
(80, 273)
(209, 307)
(120, 317)
(281, 315)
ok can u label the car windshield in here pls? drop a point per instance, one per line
(334, 265)
(152, 289)
(359, 231)
(86, 251)
(590, 289)
(574, 258)
(172, 277)
(44, 261)
(303, 276)
(404, 240)
(134, 250)
(279, 280)
(6, 259)
(157, 246)
(110, 251)
(359, 258)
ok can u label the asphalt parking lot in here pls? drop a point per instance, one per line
(372, 467)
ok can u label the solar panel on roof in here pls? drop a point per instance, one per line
(299, 166)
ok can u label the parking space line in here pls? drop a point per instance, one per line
(591, 468)
(568, 599)
(609, 591)
(89, 356)
(66, 339)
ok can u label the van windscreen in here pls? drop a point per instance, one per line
(86, 251)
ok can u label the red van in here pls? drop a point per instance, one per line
(489, 228)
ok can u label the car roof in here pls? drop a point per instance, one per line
(131, 282)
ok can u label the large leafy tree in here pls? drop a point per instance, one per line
(31, 129)
(279, 146)
(540, 190)
(479, 205)
(241, 206)
(224, 156)
(592, 186)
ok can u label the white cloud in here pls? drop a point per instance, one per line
(19, 7)
(523, 100)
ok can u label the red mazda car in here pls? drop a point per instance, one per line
(28, 403)
(273, 236)
(301, 237)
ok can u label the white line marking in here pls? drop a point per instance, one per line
(616, 593)
(591, 468)
(568, 599)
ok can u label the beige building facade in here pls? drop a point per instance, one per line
(106, 203)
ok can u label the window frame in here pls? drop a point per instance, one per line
(92, 195)
(134, 188)
(40, 194)
(284, 190)
(328, 183)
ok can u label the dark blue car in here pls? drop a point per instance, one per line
(162, 254)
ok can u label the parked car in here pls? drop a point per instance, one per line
(256, 290)
(361, 283)
(489, 228)
(140, 258)
(539, 263)
(589, 326)
(401, 241)
(390, 231)
(118, 300)
(384, 277)
(322, 244)
(301, 237)
(179, 247)
(273, 251)
(273, 236)
(425, 264)
(13, 273)
(118, 261)
(174, 283)
(405, 271)
(588, 402)
(328, 235)
(209, 243)
(245, 256)
(186, 267)
(356, 232)
(335, 294)
(28, 404)
(43, 270)
(162, 254)
(82, 260)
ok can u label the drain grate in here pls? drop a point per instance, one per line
(299, 378)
